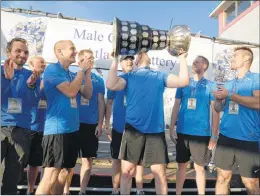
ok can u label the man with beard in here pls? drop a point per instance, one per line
(18, 96)
(118, 128)
(194, 138)
(60, 140)
(240, 127)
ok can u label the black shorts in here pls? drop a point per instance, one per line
(88, 141)
(60, 150)
(115, 144)
(36, 151)
(244, 153)
(137, 147)
(193, 146)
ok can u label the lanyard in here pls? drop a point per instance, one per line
(236, 83)
(194, 88)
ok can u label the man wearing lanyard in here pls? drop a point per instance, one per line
(60, 140)
(18, 96)
(91, 117)
(119, 109)
(240, 127)
(38, 64)
(144, 136)
(194, 136)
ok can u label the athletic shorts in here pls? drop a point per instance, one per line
(60, 150)
(88, 141)
(193, 146)
(244, 153)
(115, 144)
(146, 148)
(36, 151)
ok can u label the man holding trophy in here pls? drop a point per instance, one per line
(144, 137)
(239, 128)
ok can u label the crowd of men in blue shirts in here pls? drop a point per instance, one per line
(50, 116)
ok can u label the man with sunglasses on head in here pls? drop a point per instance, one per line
(118, 100)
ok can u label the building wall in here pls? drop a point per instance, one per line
(246, 28)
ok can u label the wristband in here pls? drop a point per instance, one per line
(229, 95)
(84, 70)
(31, 86)
(115, 60)
(214, 137)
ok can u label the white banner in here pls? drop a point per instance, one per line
(42, 33)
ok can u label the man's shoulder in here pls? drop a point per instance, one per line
(254, 76)
(52, 68)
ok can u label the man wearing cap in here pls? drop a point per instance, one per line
(144, 137)
(119, 109)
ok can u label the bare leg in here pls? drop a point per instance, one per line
(200, 178)
(48, 180)
(159, 172)
(32, 174)
(128, 170)
(66, 190)
(85, 173)
(116, 167)
(252, 185)
(180, 177)
(139, 178)
(223, 182)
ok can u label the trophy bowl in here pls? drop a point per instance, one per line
(130, 38)
(180, 38)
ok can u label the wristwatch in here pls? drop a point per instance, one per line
(84, 70)
(214, 137)
(229, 95)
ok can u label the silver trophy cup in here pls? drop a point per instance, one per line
(222, 67)
(130, 38)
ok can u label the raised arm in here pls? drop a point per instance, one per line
(114, 82)
(87, 89)
(174, 81)
(71, 89)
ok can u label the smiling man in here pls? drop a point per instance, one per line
(240, 127)
(60, 140)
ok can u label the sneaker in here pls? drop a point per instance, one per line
(115, 193)
(29, 193)
(140, 193)
(80, 193)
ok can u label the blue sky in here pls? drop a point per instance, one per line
(156, 14)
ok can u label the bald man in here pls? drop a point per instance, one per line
(60, 138)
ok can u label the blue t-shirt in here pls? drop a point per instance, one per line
(195, 120)
(39, 111)
(119, 109)
(246, 124)
(17, 99)
(144, 98)
(88, 109)
(62, 115)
